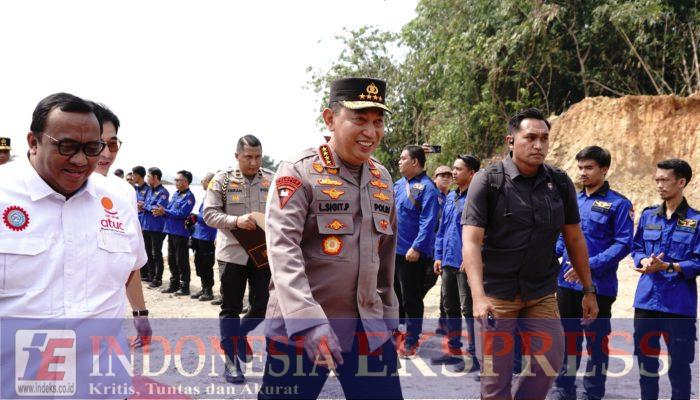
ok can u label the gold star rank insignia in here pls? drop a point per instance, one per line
(332, 245)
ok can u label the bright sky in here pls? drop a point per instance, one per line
(186, 79)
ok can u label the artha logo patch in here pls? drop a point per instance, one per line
(15, 218)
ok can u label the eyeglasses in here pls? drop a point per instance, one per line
(114, 145)
(70, 147)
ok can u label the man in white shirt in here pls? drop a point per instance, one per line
(69, 243)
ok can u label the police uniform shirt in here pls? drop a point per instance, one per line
(243, 196)
(65, 258)
(519, 243)
(679, 239)
(448, 242)
(607, 224)
(417, 214)
(331, 248)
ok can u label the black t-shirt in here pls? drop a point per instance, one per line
(518, 251)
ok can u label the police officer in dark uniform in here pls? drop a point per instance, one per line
(178, 209)
(607, 224)
(666, 252)
(153, 225)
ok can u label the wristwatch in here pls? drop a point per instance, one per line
(671, 268)
(140, 313)
(590, 289)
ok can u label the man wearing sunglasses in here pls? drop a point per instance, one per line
(68, 240)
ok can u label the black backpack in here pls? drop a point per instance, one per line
(496, 180)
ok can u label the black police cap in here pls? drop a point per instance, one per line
(359, 93)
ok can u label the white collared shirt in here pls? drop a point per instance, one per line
(65, 258)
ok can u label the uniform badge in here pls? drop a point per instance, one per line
(418, 186)
(265, 183)
(332, 245)
(317, 167)
(235, 197)
(336, 225)
(332, 171)
(688, 224)
(384, 224)
(601, 206)
(15, 218)
(376, 173)
(234, 185)
(326, 155)
(286, 186)
(333, 193)
(329, 181)
(378, 184)
(381, 196)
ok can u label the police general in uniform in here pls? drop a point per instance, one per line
(331, 246)
(231, 197)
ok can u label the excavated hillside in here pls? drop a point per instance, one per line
(639, 131)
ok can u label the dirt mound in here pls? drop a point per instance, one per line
(638, 131)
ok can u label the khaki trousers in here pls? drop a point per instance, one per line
(537, 324)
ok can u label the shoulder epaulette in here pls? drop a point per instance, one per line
(267, 171)
(303, 155)
(651, 207)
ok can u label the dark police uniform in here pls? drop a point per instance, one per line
(153, 234)
(666, 301)
(417, 211)
(331, 246)
(180, 206)
(607, 224)
(520, 266)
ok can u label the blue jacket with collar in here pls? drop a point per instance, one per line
(142, 193)
(679, 239)
(448, 243)
(608, 226)
(417, 218)
(157, 196)
(202, 231)
(179, 207)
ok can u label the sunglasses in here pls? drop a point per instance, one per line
(70, 147)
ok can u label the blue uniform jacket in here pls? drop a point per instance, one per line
(142, 193)
(157, 196)
(202, 231)
(448, 243)
(679, 239)
(606, 221)
(416, 222)
(179, 207)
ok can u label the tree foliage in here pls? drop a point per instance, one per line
(461, 67)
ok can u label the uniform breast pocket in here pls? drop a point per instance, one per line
(115, 259)
(598, 224)
(382, 228)
(334, 233)
(680, 245)
(651, 240)
(19, 258)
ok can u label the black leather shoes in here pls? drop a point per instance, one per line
(170, 289)
(233, 372)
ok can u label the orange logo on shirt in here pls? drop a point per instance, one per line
(332, 245)
(336, 225)
(378, 184)
(107, 205)
(384, 224)
(317, 167)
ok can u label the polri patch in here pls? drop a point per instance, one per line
(15, 218)
(286, 186)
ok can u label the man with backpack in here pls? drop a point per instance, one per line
(514, 214)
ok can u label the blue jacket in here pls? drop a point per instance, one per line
(416, 222)
(679, 239)
(179, 207)
(608, 226)
(202, 231)
(157, 196)
(142, 193)
(448, 243)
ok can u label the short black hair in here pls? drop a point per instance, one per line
(247, 140)
(595, 153)
(119, 172)
(155, 171)
(187, 175)
(471, 162)
(528, 113)
(139, 170)
(106, 114)
(681, 169)
(64, 102)
(416, 152)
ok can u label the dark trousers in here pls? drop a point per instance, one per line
(397, 290)
(178, 260)
(430, 279)
(678, 332)
(596, 334)
(412, 281)
(457, 300)
(154, 250)
(233, 282)
(363, 375)
(204, 260)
